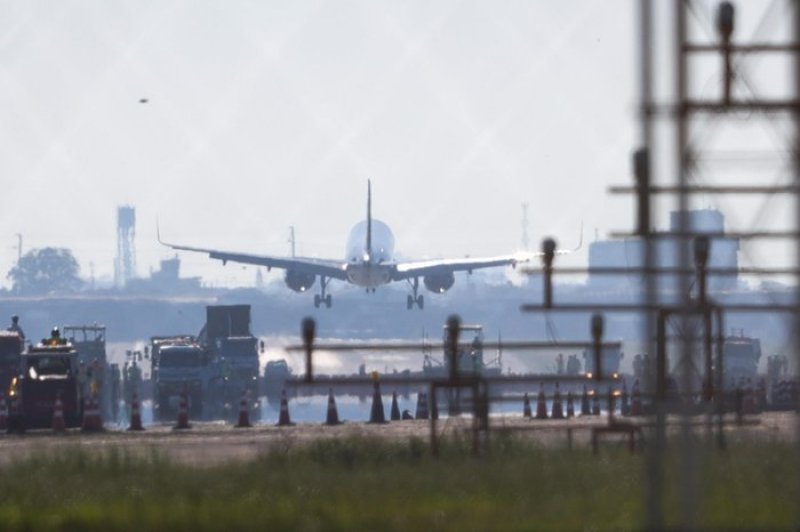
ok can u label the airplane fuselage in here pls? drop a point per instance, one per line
(370, 268)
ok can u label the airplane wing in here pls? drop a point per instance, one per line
(407, 270)
(328, 268)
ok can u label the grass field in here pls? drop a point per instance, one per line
(364, 484)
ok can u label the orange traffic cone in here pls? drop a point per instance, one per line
(558, 409)
(377, 414)
(182, 422)
(636, 399)
(283, 417)
(58, 415)
(526, 406)
(570, 405)
(541, 404)
(91, 416)
(3, 412)
(244, 412)
(136, 415)
(333, 414)
(395, 412)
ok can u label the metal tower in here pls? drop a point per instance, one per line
(125, 263)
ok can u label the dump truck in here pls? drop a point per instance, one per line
(47, 371)
(234, 365)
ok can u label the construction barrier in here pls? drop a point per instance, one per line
(283, 418)
(182, 422)
(244, 412)
(92, 422)
(136, 415)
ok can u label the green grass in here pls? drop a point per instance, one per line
(365, 484)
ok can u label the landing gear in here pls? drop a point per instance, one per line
(323, 298)
(415, 299)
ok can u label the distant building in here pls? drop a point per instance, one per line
(724, 254)
(165, 280)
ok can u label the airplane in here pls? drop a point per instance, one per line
(369, 263)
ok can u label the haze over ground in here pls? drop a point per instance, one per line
(262, 115)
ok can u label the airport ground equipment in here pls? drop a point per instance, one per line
(95, 373)
(11, 346)
(179, 365)
(47, 371)
(233, 368)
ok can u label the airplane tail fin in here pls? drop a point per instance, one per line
(369, 218)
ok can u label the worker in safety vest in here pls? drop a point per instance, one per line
(55, 337)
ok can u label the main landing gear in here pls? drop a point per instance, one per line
(323, 298)
(415, 299)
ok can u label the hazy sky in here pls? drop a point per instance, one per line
(263, 115)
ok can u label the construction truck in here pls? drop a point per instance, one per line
(234, 365)
(47, 371)
(93, 367)
(11, 346)
(179, 366)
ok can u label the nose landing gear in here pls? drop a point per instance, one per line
(415, 299)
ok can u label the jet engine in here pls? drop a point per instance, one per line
(439, 283)
(299, 281)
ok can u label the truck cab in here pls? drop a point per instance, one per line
(47, 371)
(179, 365)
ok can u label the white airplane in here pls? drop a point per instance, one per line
(369, 263)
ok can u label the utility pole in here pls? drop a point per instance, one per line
(291, 238)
